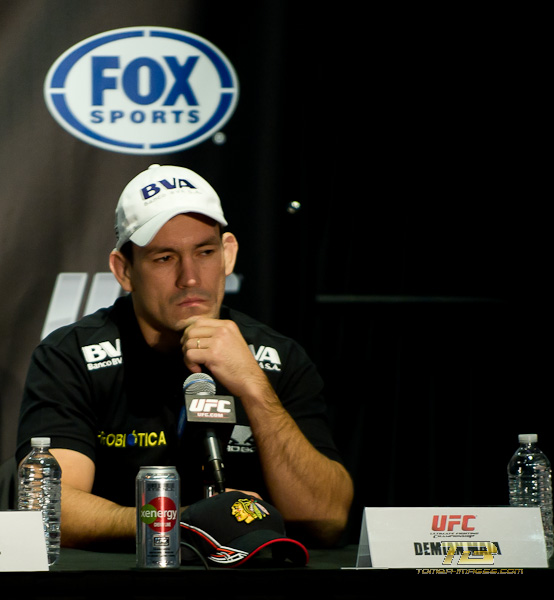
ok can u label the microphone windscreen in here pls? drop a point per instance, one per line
(199, 383)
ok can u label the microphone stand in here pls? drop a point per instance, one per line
(215, 459)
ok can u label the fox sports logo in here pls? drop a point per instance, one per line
(142, 90)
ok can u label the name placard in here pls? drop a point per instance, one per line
(22, 543)
(452, 538)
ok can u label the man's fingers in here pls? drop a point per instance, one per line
(192, 366)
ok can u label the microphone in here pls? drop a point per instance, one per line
(199, 383)
(202, 405)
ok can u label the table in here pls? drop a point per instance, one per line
(83, 574)
(329, 574)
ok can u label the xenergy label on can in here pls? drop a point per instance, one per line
(158, 537)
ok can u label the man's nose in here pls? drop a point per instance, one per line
(187, 275)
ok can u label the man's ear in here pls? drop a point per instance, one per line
(230, 250)
(119, 266)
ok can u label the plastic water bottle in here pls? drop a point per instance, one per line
(530, 482)
(40, 489)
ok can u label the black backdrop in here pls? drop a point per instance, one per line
(415, 271)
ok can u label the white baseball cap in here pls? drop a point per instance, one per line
(158, 194)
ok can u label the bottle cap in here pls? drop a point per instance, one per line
(40, 441)
(527, 438)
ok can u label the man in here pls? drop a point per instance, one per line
(108, 389)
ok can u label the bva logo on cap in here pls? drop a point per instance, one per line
(142, 90)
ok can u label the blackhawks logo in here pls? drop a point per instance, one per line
(248, 510)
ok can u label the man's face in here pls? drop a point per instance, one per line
(179, 274)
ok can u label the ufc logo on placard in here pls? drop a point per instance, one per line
(450, 522)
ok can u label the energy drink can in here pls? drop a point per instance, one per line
(158, 534)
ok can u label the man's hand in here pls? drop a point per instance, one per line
(219, 346)
(250, 494)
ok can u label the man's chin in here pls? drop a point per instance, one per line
(194, 311)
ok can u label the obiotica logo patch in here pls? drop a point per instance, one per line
(142, 90)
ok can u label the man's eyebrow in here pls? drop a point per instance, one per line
(160, 249)
(209, 241)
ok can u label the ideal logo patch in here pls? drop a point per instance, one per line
(241, 440)
(142, 90)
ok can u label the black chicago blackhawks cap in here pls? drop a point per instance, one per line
(230, 528)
